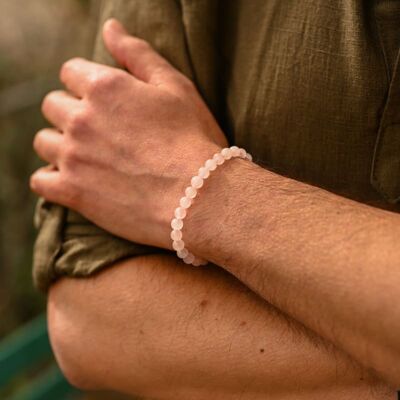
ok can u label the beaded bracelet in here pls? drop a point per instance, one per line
(190, 193)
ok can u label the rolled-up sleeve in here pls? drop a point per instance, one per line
(67, 244)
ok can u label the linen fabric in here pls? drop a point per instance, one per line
(310, 88)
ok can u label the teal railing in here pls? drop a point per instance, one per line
(21, 354)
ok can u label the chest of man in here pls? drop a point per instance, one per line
(310, 88)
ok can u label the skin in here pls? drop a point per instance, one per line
(143, 134)
(147, 130)
(173, 332)
(329, 262)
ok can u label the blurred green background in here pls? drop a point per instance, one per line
(36, 37)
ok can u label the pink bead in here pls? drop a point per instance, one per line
(204, 173)
(185, 202)
(235, 151)
(197, 182)
(180, 213)
(196, 262)
(176, 234)
(211, 164)
(190, 192)
(176, 223)
(189, 258)
(178, 245)
(182, 253)
(226, 153)
(218, 158)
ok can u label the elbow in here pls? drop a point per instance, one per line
(73, 358)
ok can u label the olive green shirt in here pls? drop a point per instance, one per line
(310, 88)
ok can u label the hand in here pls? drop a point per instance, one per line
(125, 145)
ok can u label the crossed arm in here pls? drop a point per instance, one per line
(330, 263)
(153, 327)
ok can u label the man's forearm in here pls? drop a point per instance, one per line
(329, 262)
(151, 326)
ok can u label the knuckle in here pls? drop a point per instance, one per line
(186, 91)
(72, 192)
(139, 45)
(70, 156)
(186, 84)
(92, 85)
(102, 82)
(78, 122)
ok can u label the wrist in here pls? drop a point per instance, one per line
(180, 170)
(213, 219)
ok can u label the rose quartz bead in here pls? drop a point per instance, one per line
(235, 151)
(196, 262)
(189, 258)
(242, 153)
(176, 234)
(204, 173)
(211, 164)
(218, 158)
(178, 245)
(190, 192)
(226, 153)
(180, 213)
(197, 182)
(185, 202)
(176, 223)
(182, 253)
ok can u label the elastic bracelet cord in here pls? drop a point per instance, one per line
(190, 193)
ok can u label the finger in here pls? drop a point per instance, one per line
(57, 106)
(48, 144)
(46, 182)
(79, 75)
(137, 56)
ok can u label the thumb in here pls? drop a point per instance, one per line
(136, 55)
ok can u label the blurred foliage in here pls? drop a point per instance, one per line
(36, 37)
